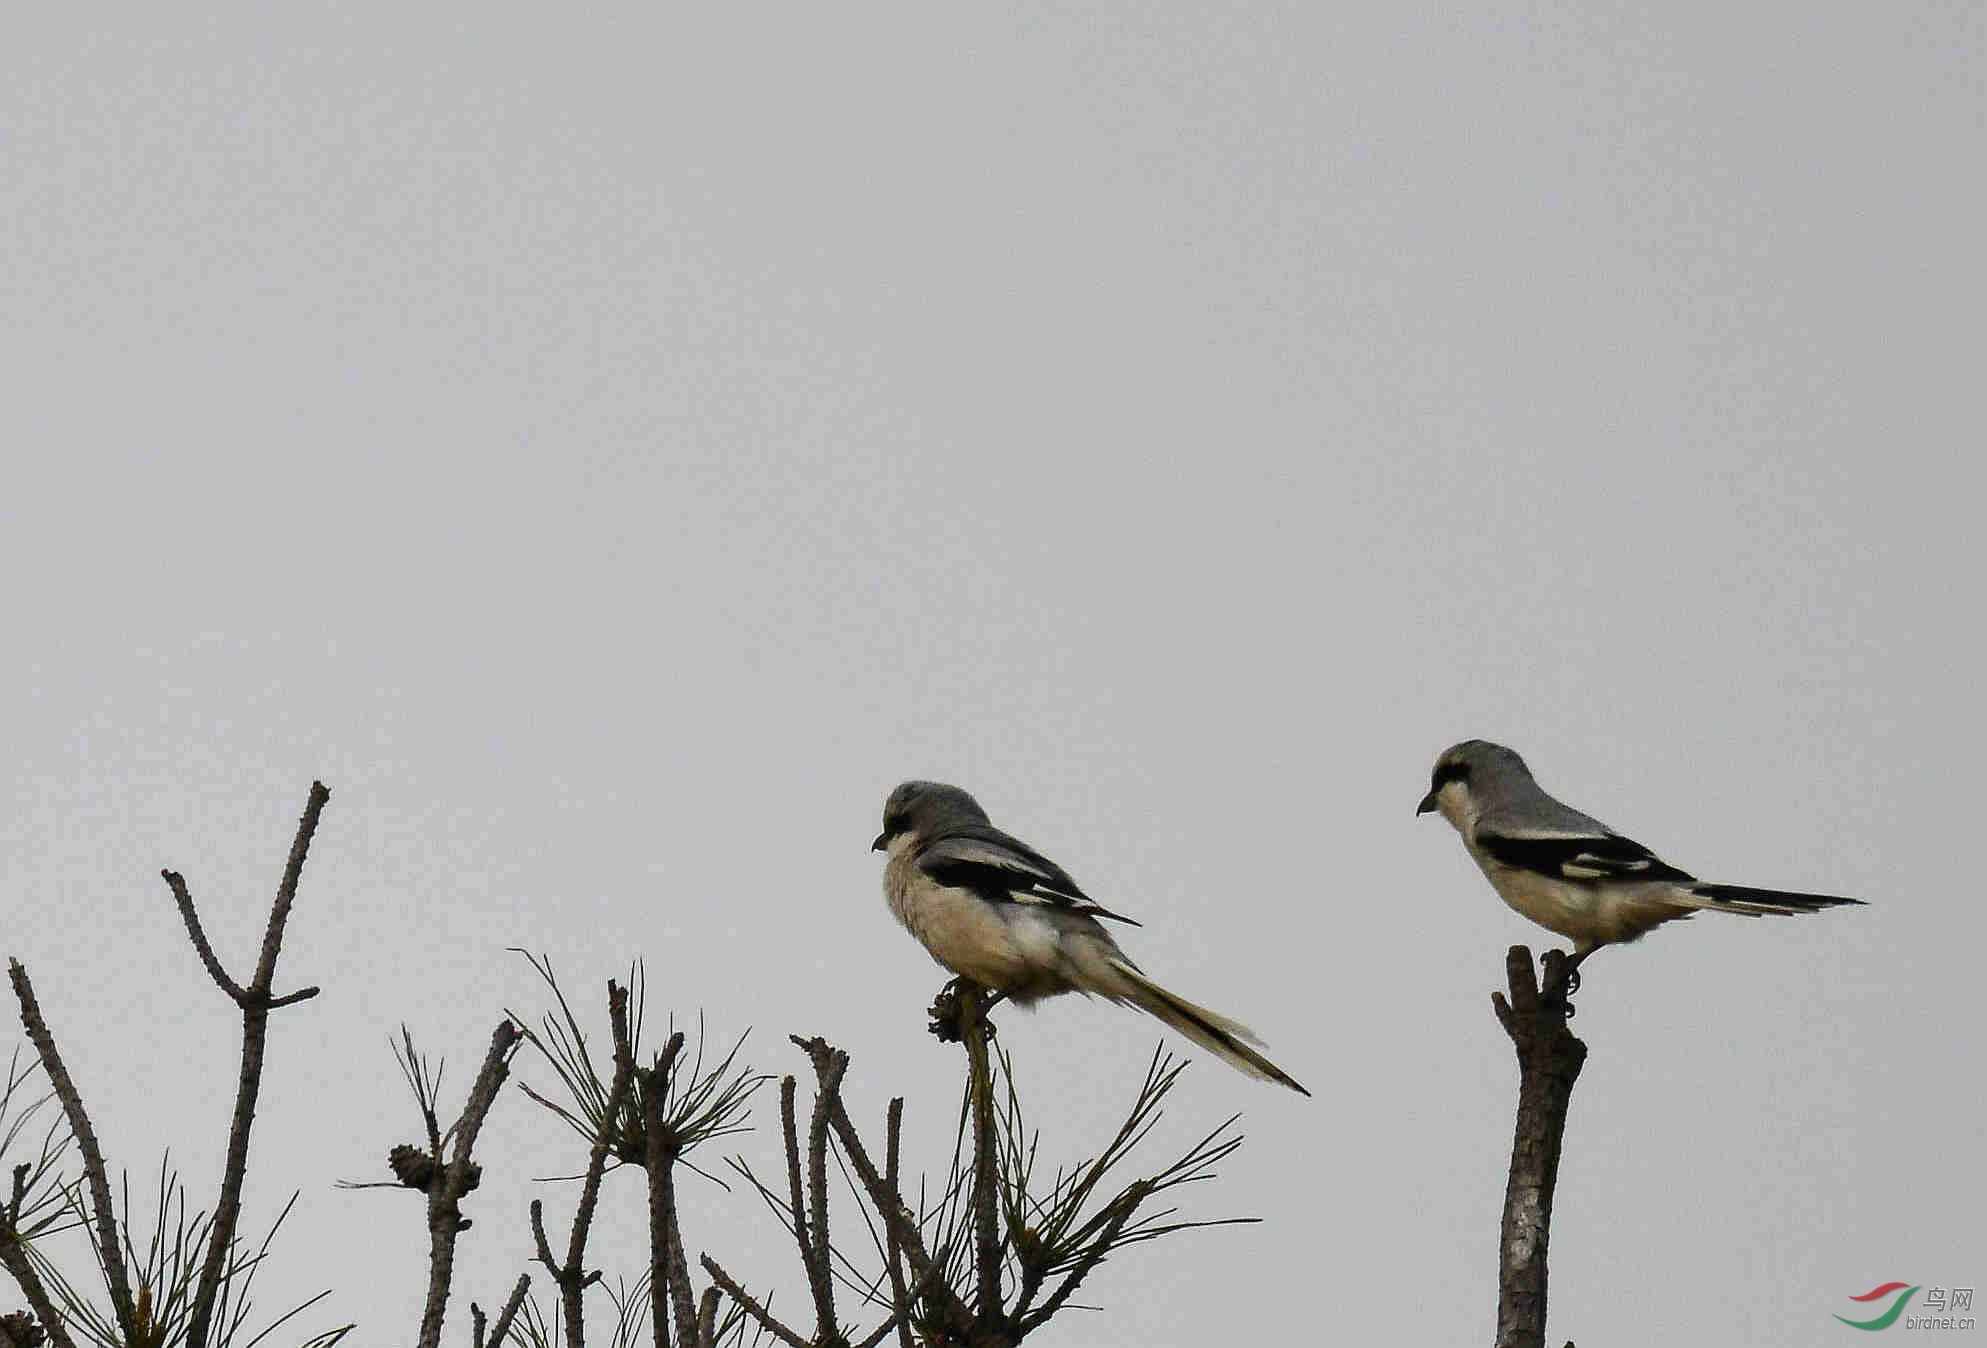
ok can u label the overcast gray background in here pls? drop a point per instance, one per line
(611, 449)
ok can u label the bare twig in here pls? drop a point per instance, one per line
(681, 1295)
(543, 1247)
(821, 1281)
(508, 1314)
(804, 1210)
(19, 1218)
(1549, 1062)
(623, 1082)
(571, 1276)
(796, 1205)
(449, 1182)
(255, 1001)
(292, 998)
(109, 1247)
(752, 1307)
(707, 1318)
(198, 935)
(669, 1277)
(889, 1204)
(986, 1198)
(900, 1300)
(14, 1258)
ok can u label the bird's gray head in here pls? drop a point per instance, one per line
(922, 808)
(1465, 769)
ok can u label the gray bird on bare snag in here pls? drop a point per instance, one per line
(1569, 872)
(998, 913)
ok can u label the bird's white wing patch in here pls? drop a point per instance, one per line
(1580, 857)
(1587, 866)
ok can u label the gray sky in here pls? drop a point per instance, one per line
(611, 449)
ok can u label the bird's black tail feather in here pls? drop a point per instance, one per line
(1770, 900)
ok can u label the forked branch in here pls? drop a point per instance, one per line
(447, 1181)
(256, 1001)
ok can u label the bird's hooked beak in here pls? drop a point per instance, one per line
(1427, 804)
(882, 841)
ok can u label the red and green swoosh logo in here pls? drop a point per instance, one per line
(1889, 1317)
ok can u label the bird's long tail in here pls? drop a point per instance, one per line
(1226, 1039)
(1753, 902)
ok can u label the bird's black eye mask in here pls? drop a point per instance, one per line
(1446, 773)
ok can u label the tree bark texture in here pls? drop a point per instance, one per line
(1549, 1062)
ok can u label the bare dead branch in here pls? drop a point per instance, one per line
(20, 1326)
(889, 1203)
(544, 1250)
(449, 1182)
(14, 1258)
(482, 1095)
(109, 1247)
(198, 935)
(509, 1312)
(623, 1082)
(292, 998)
(893, 1257)
(571, 1276)
(821, 1273)
(681, 1295)
(796, 1207)
(751, 1307)
(707, 1318)
(986, 1196)
(255, 1002)
(1549, 1062)
(669, 1275)
(286, 891)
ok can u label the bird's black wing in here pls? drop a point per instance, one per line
(1001, 869)
(1582, 858)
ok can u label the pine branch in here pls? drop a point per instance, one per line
(1549, 1062)
(256, 1001)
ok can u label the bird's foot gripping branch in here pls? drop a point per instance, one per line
(949, 1010)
